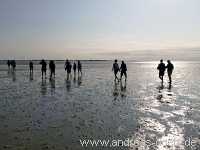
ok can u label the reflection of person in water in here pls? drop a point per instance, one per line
(123, 89)
(123, 70)
(170, 68)
(13, 76)
(119, 89)
(43, 87)
(31, 77)
(79, 68)
(52, 82)
(160, 88)
(13, 64)
(8, 63)
(68, 84)
(161, 68)
(115, 90)
(79, 80)
(31, 67)
(115, 68)
(44, 67)
(52, 68)
(68, 68)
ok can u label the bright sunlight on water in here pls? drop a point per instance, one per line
(43, 114)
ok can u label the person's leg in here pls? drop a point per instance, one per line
(50, 74)
(121, 75)
(170, 78)
(162, 78)
(116, 76)
(159, 76)
(81, 71)
(125, 75)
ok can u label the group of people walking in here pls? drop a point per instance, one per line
(52, 68)
(11, 63)
(122, 69)
(161, 67)
(115, 68)
(68, 68)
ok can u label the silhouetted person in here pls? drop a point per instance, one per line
(170, 68)
(123, 70)
(8, 63)
(115, 68)
(68, 68)
(44, 67)
(161, 68)
(31, 67)
(79, 67)
(52, 68)
(74, 68)
(13, 64)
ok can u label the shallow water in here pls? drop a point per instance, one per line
(43, 114)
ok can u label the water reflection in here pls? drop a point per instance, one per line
(43, 87)
(160, 94)
(9, 72)
(52, 84)
(115, 90)
(119, 89)
(31, 76)
(13, 76)
(74, 80)
(123, 88)
(79, 80)
(68, 84)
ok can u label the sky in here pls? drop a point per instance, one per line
(99, 29)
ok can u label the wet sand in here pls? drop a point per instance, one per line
(43, 114)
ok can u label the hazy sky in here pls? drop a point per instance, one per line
(88, 29)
